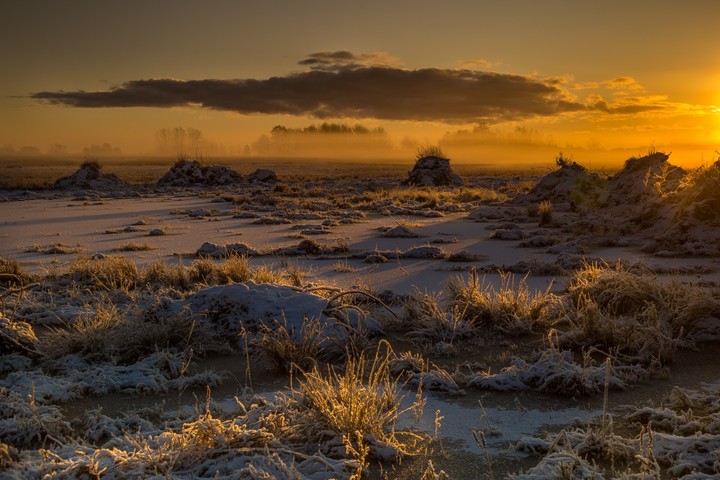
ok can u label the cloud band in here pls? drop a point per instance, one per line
(333, 89)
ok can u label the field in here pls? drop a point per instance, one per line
(307, 319)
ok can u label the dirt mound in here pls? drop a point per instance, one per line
(186, 173)
(643, 178)
(89, 176)
(571, 184)
(263, 175)
(429, 171)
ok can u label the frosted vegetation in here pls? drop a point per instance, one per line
(356, 366)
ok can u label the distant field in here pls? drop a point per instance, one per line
(43, 171)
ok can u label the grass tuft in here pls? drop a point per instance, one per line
(361, 404)
(134, 247)
(511, 309)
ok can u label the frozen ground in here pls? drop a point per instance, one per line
(495, 394)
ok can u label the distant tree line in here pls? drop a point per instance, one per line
(329, 128)
(185, 142)
(322, 140)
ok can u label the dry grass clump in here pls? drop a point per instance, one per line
(107, 273)
(633, 311)
(471, 305)
(287, 349)
(261, 440)
(237, 269)
(8, 456)
(11, 274)
(134, 247)
(361, 405)
(511, 309)
(617, 289)
(233, 269)
(91, 336)
(16, 336)
(430, 151)
(55, 249)
(429, 321)
(204, 271)
(117, 272)
(108, 335)
(196, 442)
(173, 276)
(433, 198)
(545, 213)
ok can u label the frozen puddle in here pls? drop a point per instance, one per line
(500, 427)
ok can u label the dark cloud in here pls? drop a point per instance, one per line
(343, 60)
(344, 85)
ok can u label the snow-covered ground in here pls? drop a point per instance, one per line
(490, 397)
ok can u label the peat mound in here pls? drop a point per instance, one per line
(263, 175)
(642, 179)
(187, 173)
(433, 171)
(571, 185)
(90, 177)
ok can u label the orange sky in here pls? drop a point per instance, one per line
(599, 75)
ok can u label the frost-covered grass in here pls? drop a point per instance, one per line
(511, 309)
(634, 312)
(108, 334)
(426, 197)
(118, 272)
(134, 247)
(12, 274)
(361, 405)
(678, 440)
(55, 249)
(280, 343)
(140, 331)
(472, 307)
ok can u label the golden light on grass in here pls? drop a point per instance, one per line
(361, 403)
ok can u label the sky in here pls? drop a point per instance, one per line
(596, 75)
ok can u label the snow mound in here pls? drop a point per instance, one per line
(89, 176)
(429, 171)
(263, 175)
(232, 308)
(400, 231)
(186, 173)
(493, 212)
(554, 372)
